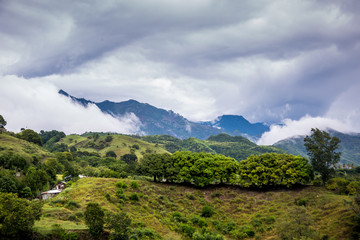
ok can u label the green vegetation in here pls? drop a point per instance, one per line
(17, 216)
(94, 219)
(237, 147)
(190, 196)
(322, 151)
(236, 213)
(274, 170)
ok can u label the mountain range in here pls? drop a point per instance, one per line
(157, 121)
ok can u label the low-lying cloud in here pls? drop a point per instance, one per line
(291, 128)
(38, 106)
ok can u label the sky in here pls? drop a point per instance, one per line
(294, 64)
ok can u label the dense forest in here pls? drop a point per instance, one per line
(161, 187)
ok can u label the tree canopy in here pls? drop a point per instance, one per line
(17, 215)
(322, 151)
(274, 169)
(2, 122)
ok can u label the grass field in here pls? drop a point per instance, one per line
(233, 206)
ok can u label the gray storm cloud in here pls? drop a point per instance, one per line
(265, 60)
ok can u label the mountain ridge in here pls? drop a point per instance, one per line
(157, 121)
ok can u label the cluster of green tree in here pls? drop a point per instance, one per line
(202, 169)
(275, 169)
(29, 179)
(50, 140)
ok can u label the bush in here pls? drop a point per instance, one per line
(72, 217)
(144, 233)
(187, 229)
(300, 202)
(201, 222)
(134, 185)
(134, 197)
(178, 217)
(123, 174)
(229, 227)
(268, 220)
(338, 185)
(191, 197)
(108, 138)
(120, 184)
(248, 231)
(72, 205)
(207, 211)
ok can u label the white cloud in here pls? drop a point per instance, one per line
(37, 105)
(291, 128)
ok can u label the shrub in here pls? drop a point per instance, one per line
(201, 222)
(207, 211)
(120, 184)
(338, 185)
(134, 185)
(94, 219)
(268, 220)
(123, 174)
(108, 138)
(300, 202)
(144, 233)
(72, 205)
(191, 197)
(229, 227)
(72, 217)
(248, 231)
(134, 197)
(187, 229)
(178, 217)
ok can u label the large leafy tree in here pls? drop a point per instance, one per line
(94, 219)
(30, 136)
(322, 150)
(17, 216)
(120, 224)
(158, 166)
(2, 123)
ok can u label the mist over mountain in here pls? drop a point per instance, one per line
(157, 121)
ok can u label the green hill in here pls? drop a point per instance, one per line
(172, 211)
(236, 147)
(102, 143)
(27, 150)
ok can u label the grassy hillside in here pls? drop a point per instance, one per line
(171, 209)
(120, 144)
(21, 147)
